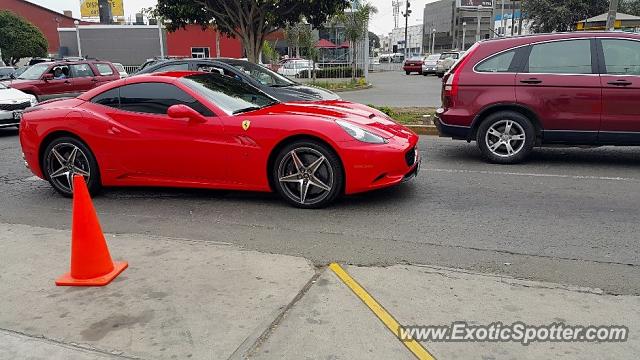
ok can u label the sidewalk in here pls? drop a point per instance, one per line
(208, 300)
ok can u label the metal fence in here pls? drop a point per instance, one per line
(130, 69)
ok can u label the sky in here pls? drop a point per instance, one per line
(381, 23)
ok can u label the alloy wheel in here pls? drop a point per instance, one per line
(63, 162)
(306, 176)
(505, 138)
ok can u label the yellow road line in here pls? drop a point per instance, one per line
(392, 324)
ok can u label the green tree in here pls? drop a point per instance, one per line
(355, 23)
(249, 20)
(374, 41)
(561, 15)
(631, 7)
(20, 39)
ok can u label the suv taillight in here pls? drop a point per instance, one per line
(450, 83)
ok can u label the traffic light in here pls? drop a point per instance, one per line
(408, 11)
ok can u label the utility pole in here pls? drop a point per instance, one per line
(502, 22)
(513, 15)
(464, 34)
(406, 14)
(433, 40)
(478, 29)
(611, 18)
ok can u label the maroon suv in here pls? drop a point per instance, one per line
(48, 80)
(512, 94)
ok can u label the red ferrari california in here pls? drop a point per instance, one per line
(205, 130)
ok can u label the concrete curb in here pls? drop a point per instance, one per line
(354, 89)
(424, 129)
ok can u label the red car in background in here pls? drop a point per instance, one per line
(413, 65)
(207, 130)
(54, 79)
(512, 94)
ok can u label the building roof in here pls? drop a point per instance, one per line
(49, 10)
(619, 16)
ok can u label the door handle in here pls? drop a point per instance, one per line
(531, 81)
(620, 82)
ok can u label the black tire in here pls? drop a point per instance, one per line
(424, 74)
(85, 161)
(520, 149)
(440, 75)
(329, 173)
(408, 72)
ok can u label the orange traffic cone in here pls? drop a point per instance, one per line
(91, 263)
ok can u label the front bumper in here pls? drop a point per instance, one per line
(375, 166)
(10, 118)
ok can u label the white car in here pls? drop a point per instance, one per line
(429, 64)
(12, 103)
(121, 70)
(295, 67)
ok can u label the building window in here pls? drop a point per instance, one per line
(200, 52)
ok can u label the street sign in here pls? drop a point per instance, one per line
(474, 3)
(90, 9)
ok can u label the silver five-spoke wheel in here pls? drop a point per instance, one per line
(65, 160)
(306, 176)
(505, 138)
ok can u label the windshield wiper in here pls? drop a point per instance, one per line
(249, 108)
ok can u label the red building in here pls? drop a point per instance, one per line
(48, 21)
(195, 42)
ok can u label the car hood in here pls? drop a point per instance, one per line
(17, 83)
(371, 119)
(12, 95)
(301, 92)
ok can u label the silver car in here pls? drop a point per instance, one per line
(446, 61)
(429, 64)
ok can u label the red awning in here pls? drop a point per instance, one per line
(325, 44)
(344, 45)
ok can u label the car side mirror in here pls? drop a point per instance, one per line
(47, 77)
(181, 111)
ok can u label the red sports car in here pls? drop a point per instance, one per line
(204, 130)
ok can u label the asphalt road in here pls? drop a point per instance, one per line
(569, 216)
(394, 88)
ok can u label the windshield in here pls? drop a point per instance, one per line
(119, 67)
(7, 71)
(433, 57)
(261, 74)
(2, 86)
(34, 72)
(230, 95)
(449, 56)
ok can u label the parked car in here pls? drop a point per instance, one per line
(48, 80)
(295, 67)
(19, 71)
(121, 70)
(429, 64)
(258, 76)
(12, 103)
(446, 61)
(206, 130)
(512, 94)
(6, 72)
(412, 65)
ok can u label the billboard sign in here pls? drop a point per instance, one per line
(90, 9)
(474, 3)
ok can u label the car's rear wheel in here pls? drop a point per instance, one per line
(506, 137)
(408, 72)
(65, 157)
(308, 174)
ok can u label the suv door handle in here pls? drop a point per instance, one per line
(620, 82)
(531, 81)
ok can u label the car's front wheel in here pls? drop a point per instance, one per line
(65, 157)
(506, 137)
(308, 174)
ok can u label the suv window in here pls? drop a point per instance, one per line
(156, 98)
(622, 57)
(174, 67)
(497, 63)
(81, 70)
(104, 69)
(108, 98)
(561, 57)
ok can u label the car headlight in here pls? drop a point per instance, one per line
(33, 100)
(361, 134)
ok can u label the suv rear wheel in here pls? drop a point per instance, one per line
(506, 137)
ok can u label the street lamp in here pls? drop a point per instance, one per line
(433, 40)
(464, 34)
(77, 24)
(479, 20)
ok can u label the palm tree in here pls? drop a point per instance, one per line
(356, 22)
